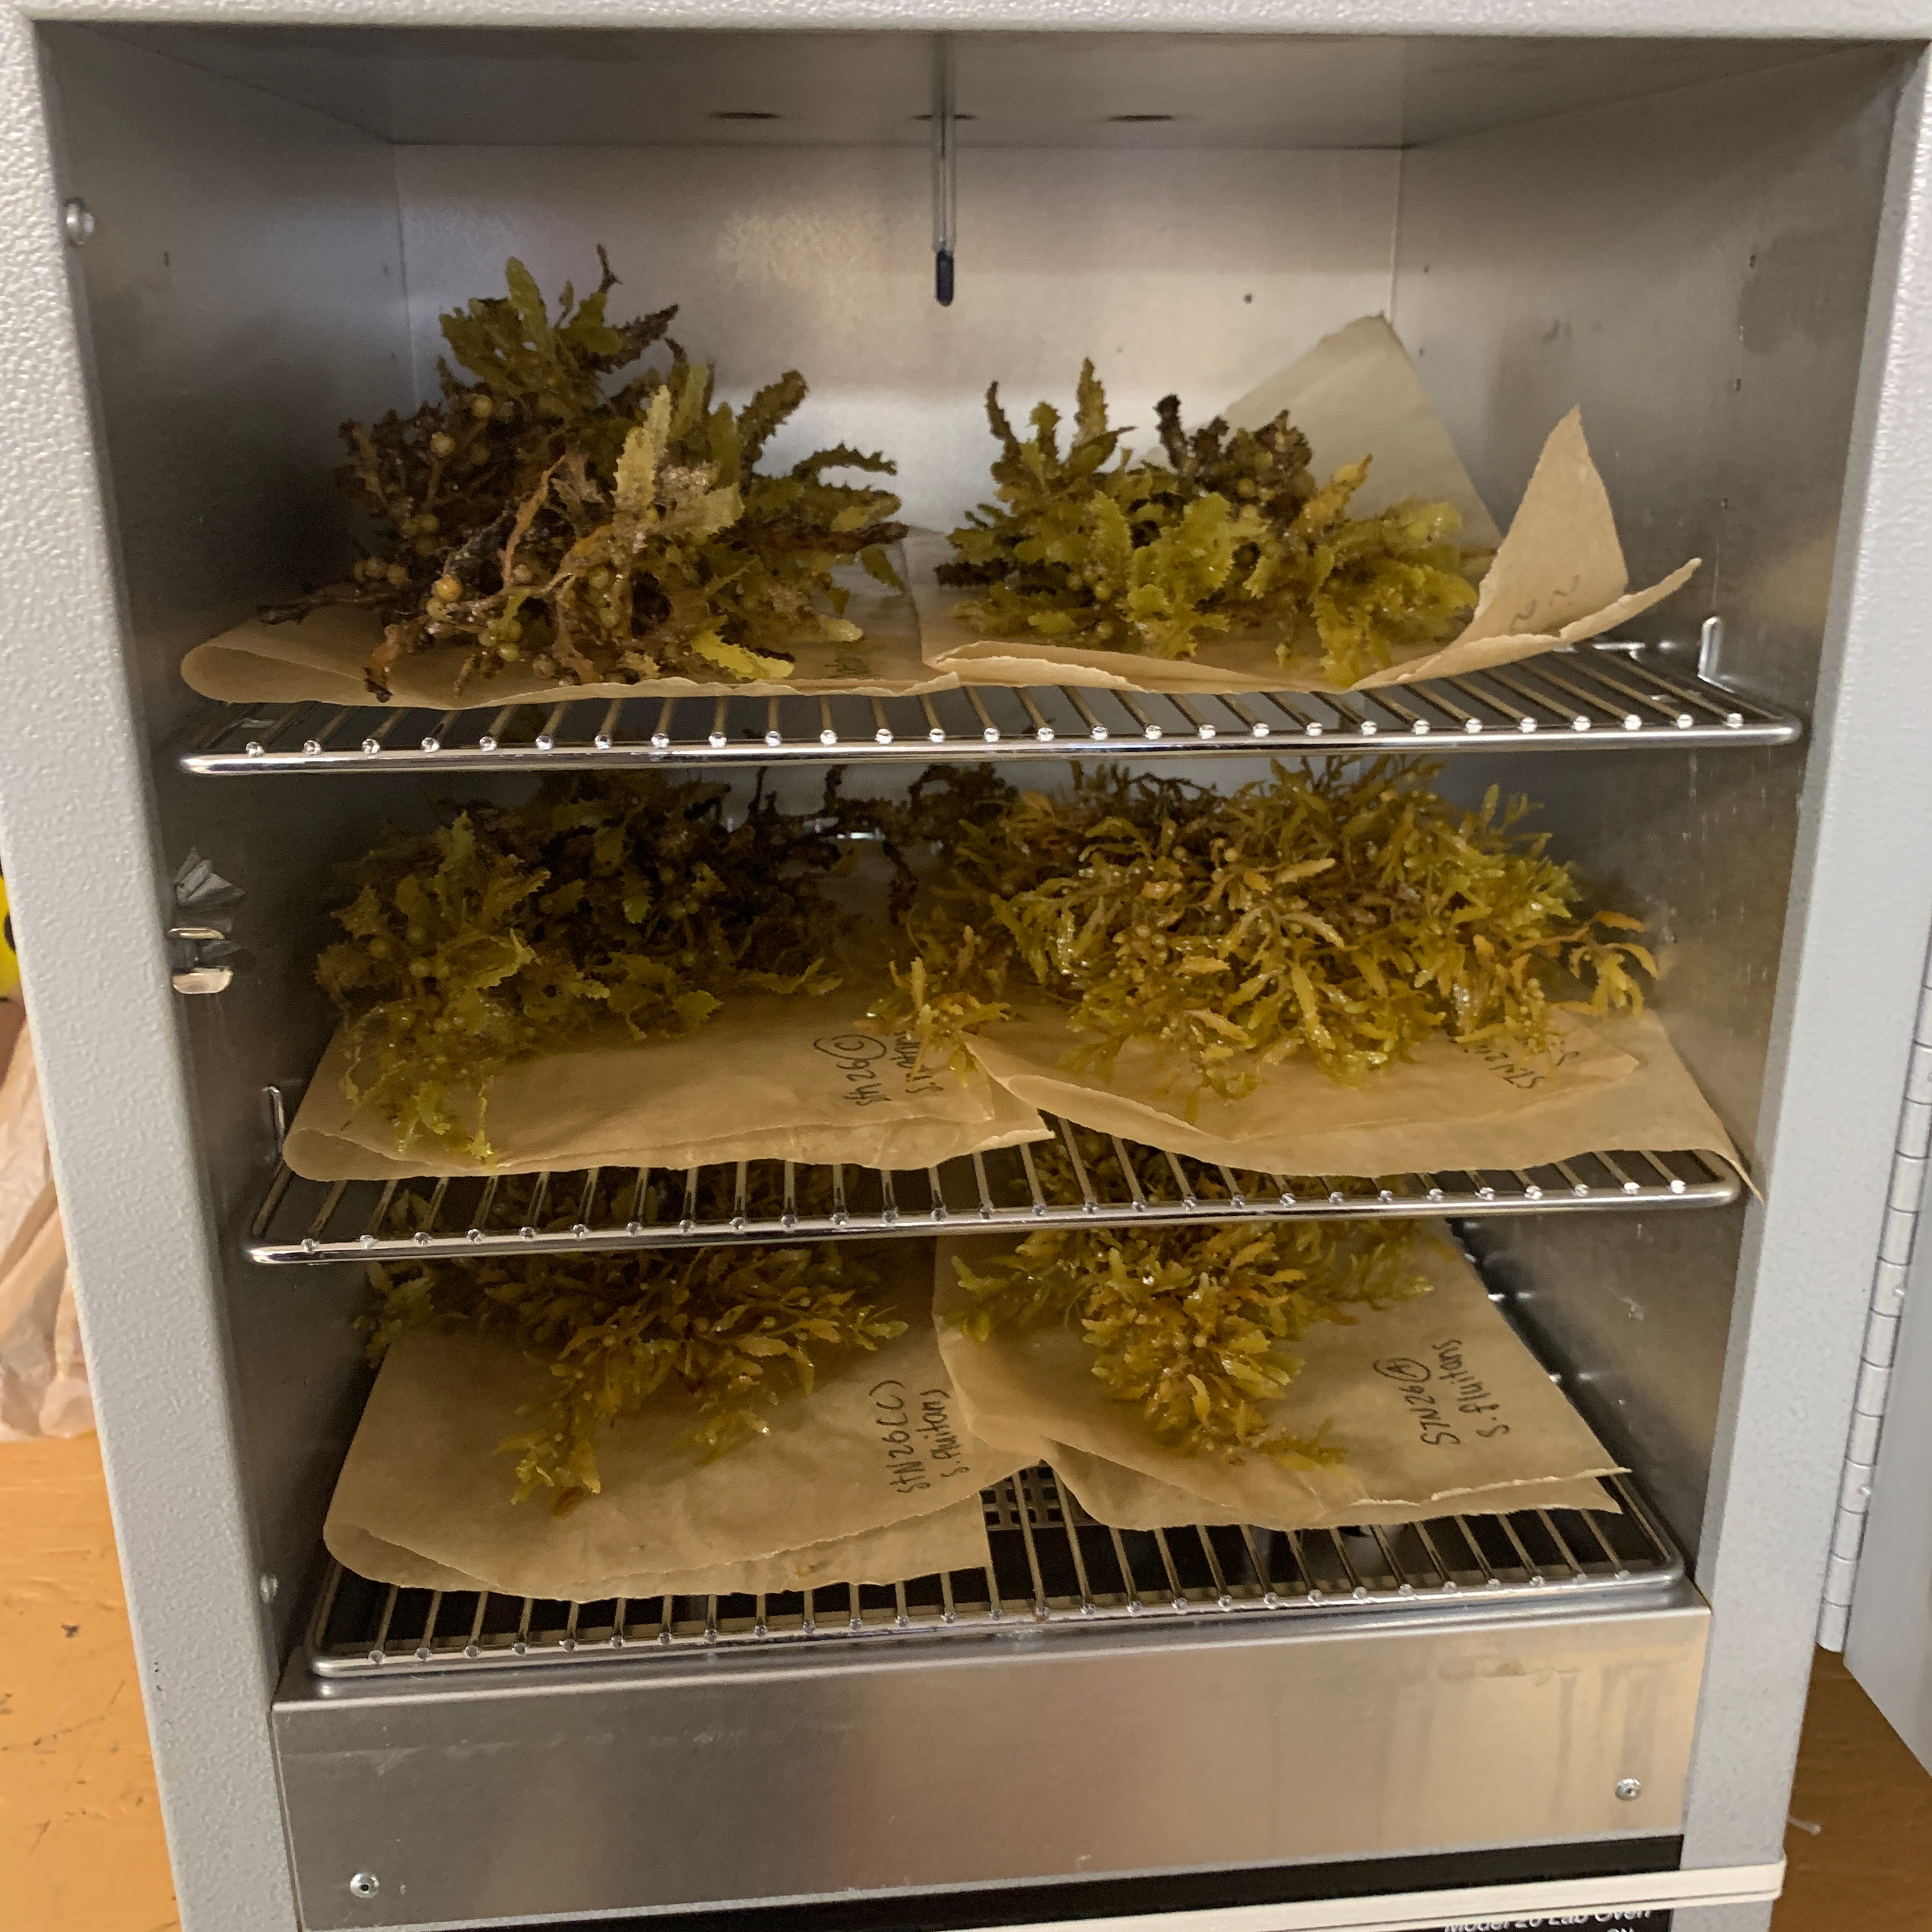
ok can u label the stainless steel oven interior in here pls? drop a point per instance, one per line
(1678, 236)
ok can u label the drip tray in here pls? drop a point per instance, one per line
(1052, 1568)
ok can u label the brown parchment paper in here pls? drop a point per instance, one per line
(767, 1077)
(1437, 1404)
(878, 1443)
(1558, 577)
(1357, 393)
(1615, 1083)
(951, 1538)
(321, 658)
(1126, 1499)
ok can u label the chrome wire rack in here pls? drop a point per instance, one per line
(1050, 1566)
(1589, 697)
(1078, 1179)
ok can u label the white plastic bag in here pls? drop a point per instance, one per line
(44, 1388)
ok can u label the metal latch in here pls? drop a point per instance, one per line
(198, 956)
(202, 957)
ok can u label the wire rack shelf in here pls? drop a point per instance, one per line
(1592, 697)
(1087, 1180)
(1050, 1567)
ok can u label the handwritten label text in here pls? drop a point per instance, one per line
(1444, 1394)
(868, 1061)
(916, 1432)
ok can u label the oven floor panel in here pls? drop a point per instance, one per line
(1088, 1707)
(1217, 1743)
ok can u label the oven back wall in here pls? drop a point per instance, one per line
(1198, 271)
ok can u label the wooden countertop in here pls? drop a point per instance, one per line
(81, 1849)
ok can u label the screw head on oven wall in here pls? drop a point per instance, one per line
(1629, 1788)
(77, 221)
(365, 1884)
(269, 1585)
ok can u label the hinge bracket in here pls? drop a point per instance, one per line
(1903, 1194)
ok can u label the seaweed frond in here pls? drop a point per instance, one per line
(538, 517)
(630, 901)
(1091, 547)
(1196, 1326)
(1350, 913)
(736, 1330)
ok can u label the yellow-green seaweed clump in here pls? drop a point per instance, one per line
(738, 1330)
(627, 901)
(1196, 1326)
(1351, 914)
(1233, 534)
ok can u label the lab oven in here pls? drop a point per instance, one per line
(227, 227)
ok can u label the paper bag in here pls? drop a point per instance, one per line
(1558, 577)
(43, 1384)
(1439, 1405)
(321, 658)
(1615, 1083)
(877, 1443)
(767, 1077)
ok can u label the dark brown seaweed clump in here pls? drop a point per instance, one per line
(591, 535)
